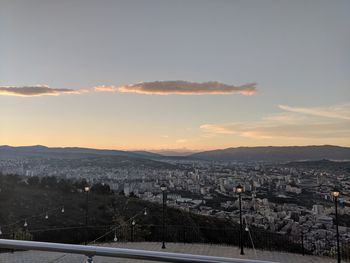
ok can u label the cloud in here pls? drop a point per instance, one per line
(337, 112)
(323, 123)
(211, 128)
(106, 88)
(264, 131)
(150, 88)
(181, 87)
(35, 91)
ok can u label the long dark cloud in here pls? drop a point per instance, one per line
(150, 88)
(181, 87)
(32, 91)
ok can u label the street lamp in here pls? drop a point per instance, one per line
(86, 190)
(335, 194)
(163, 188)
(133, 223)
(115, 239)
(239, 191)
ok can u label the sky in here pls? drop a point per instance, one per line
(182, 75)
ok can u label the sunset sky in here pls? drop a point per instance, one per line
(195, 75)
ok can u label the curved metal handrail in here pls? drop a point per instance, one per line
(91, 251)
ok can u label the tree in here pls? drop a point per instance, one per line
(34, 180)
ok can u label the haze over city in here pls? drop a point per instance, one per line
(179, 75)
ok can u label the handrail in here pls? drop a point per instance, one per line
(91, 251)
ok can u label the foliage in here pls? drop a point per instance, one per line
(30, 198)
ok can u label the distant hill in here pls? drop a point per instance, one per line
(174, 153)
(274, 153)
(269, 153)
(75, 157)
(67, 152)
(39, 151)
(148, 154)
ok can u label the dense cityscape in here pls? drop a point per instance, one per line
(290, 198)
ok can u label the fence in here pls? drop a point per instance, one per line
(254, 238)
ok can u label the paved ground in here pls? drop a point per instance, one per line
(200, 249)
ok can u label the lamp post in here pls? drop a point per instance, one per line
(335, 194)
(163, 188)
(133, 223)
(239, 190)
(86, 190)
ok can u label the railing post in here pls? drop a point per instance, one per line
(132, 233)
(184, 234)
(13, 237)
(302, 243)
(89, 259)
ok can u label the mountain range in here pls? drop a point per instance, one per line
(269, 153)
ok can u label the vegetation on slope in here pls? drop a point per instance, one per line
(29, 199)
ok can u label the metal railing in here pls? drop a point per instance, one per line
(91, 251)
(255, 238)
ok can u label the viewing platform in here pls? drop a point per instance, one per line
(195, 249)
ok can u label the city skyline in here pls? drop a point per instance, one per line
(194, 75)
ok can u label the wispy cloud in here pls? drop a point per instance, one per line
(218, 129)
(337, 112)
(314, 123)
(35, 91)
(181, 87)
(302, 130)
